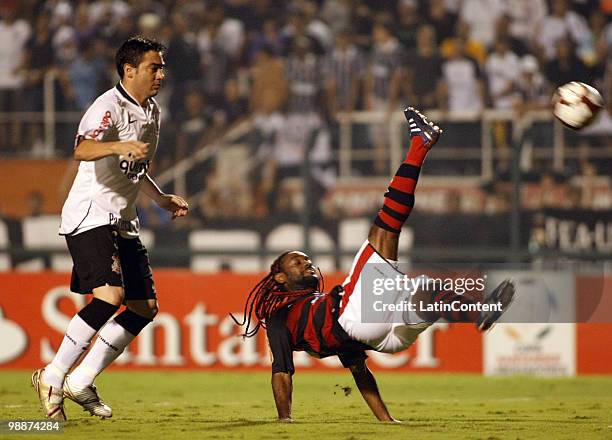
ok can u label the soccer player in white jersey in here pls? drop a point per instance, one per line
(116, 141)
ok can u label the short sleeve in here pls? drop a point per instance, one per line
(99, 118)
(350, 358)
(280, 343)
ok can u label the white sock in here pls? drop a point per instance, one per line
(75, 343)
(110, 343)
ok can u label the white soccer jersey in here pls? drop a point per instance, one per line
(104, 191)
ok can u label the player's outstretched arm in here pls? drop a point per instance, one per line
(282, 387)
(90, 149)
(369, 390)
(170, 202)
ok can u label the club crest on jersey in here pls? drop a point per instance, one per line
(116, 265)
(134, 169)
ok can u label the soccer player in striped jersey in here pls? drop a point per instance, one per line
(298, 316)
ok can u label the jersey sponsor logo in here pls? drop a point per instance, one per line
(123, 225)
(134, 169)
(103, 125)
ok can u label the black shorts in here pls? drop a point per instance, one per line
(101, 256)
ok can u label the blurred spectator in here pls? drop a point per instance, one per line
(424, 71)
(234, 106)
(194, 122)
(268, 37)
(59, 11)
(149, 25)
(269, 124)
(124, 28)
(297, 29)
(84, 29)
(14, 34)
(472, 48)
(361, 23)
(38, 61)
(523, 18)
(108, 11)
(298, 137)
(316, 27)
(481, 17)
(139, 7)
(302, 70)
(220, 41)
(64, 40)
(563, 23)
(183, 60)
(502, 30)
(268, 83)
(549, 192)
(382, 85)
(225, 196)
(408, 23)
(441, 19)
(533, 90)
(337, 13)
(463, 87)
(253, 14)
(343, 71)
(221, 32)
(566, 66)
(87, 73)
(503, 74)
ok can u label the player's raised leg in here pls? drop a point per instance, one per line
(381, 247)
(399, 198)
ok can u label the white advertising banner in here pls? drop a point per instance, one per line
(537, 335)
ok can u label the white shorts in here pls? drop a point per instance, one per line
(393, 334)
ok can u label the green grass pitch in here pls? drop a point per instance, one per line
(194, 405)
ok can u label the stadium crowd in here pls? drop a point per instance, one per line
(291, 66)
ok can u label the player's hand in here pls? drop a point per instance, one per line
(133, 150)
(175, 204)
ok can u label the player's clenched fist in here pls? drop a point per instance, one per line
(132, 149)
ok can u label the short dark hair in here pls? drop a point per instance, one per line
(132, 51)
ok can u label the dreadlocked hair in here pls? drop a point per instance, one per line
(267, 297)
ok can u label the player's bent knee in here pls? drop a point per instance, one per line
(146, 308)
(111, 294)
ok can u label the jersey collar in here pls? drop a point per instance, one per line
(126, 95)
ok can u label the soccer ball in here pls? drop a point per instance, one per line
(576, 104)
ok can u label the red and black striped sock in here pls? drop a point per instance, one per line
(447, 298)
(399, 198)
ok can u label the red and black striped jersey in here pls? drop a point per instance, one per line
(310, 324)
